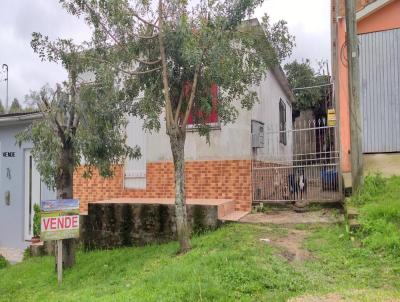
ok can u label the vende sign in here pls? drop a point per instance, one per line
(60, 223)
(60, 219)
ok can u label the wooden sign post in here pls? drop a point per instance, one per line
(59, 261)
(60, 220)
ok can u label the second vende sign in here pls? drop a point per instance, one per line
(60, 219)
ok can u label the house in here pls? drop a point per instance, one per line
(378, 26)
(216, 171)
(20, 183)
(219, 170)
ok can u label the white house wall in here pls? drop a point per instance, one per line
(232, 141)
(266, 111)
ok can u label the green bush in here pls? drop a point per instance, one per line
(379, 206)
(3, 262)
(36, 221)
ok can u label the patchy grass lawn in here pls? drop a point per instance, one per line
(231, 264)
(379, 206)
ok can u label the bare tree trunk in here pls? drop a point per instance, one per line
(65, 191)
(177, 139)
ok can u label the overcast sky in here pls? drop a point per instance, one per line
(308, 20)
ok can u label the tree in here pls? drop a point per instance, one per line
(171, 53)
(2, 110)
(81, 121)
(301, 75)
(15, 106)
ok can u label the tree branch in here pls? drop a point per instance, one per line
(132, 73)
(60, 131)
(192, 96)
(168, 104)
(144, 21)
(178, 109)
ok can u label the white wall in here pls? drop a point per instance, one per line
(232, 141)
(270, 93)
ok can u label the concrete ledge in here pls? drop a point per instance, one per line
(388, 164)
(112, 224)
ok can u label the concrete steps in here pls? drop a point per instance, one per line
(234, 216)
(227, 212)
(352, 215)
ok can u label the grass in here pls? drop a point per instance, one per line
(230, 264)
(379, 205)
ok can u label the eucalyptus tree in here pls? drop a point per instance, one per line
(170, 53)
(81, 122)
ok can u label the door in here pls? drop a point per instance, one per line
(32, 192)
(380, 90)
(135, 169)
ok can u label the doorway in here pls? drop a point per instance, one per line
(32, 190)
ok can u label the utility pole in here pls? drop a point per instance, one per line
(356, 154)
(5, 66)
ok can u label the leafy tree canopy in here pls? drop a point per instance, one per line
(303, 75)
(76, 128)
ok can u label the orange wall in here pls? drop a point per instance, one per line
(224, 179)
(386, 18)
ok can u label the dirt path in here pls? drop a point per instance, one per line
(12, 255)
(291, 246)
(291, 217)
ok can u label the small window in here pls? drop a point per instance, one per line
(212, 117)
(282, 123)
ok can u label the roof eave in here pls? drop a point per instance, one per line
(371, 8)
(7, 120)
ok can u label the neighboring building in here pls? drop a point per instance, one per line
(20, 184)
(219, 170)
(378, 25)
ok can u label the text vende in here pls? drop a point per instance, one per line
(60, 223)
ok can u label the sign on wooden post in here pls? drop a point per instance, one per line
(60, 220)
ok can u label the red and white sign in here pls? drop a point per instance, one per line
(60, 223)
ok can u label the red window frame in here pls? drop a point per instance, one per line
(213, 116)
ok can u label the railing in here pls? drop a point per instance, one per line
(307, 167)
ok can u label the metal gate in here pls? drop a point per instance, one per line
(301, 163)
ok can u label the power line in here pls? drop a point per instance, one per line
(310, 87)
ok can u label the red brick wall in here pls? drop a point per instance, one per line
(230, 179)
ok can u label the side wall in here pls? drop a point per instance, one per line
(214, 179)
(386, 18)
(267, 111)
(219, 170)
(12, 217)
(383, 19)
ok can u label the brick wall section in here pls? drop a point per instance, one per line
(227, 179)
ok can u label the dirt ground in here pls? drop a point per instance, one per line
(370, 296)
(290, 246)
(291, 217)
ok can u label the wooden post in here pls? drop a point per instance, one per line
(354, 95)
(59, 261)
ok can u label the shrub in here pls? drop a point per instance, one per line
(36, 221)
(3, 262)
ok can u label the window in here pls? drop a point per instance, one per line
(282, 122)
(212, 118)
